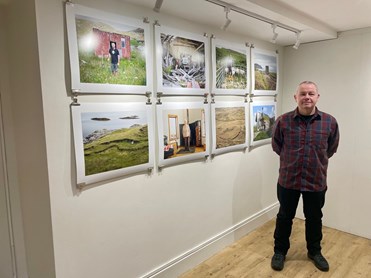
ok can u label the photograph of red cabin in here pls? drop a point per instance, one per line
(104, 40)
(94, 38)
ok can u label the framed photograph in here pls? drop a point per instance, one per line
(229, 121)
(183, 130)
(182, 62)
(112, 140)
(108, 53)
(230, 64)
(265, 72)
(262, 117)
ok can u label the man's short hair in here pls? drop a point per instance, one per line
(308, 83)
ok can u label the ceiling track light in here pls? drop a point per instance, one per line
(275, 34)
(297, 43)
(252, 15)
(227, 9)
(158, 5)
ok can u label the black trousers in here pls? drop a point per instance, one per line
(313, 203)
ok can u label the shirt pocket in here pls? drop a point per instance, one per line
(320, 139)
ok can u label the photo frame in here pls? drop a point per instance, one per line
(229, 121)
(262, 117)
(264, 69)
(182, 62)
(183, 132)
(112, 140)
(231, 68)
(109, 53)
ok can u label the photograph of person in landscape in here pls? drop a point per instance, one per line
(110, 52)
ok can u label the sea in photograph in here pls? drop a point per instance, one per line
(95, 121)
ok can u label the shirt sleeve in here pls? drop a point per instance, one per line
(277, 138)
(333, 140)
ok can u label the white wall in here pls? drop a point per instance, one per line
(131, 226)
(24, 141)
(342, 70)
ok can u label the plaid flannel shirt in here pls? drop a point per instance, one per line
(304, 148)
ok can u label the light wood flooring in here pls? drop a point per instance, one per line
(349, 256)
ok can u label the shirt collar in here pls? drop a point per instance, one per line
(317, 114)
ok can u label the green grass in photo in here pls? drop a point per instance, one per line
(120, 149)
(94, 69)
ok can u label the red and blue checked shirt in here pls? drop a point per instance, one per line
(304, 147)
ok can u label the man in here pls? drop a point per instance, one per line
(186, 132)
(304, 139)
(114, 53)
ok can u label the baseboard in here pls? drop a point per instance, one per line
(205, 250)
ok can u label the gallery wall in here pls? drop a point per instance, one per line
(142, 224)
(342, 70)
(160, 223)
(24, 142)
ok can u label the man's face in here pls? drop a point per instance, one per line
(306, 97)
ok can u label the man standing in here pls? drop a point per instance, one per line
(186, 132)
(304, 139)
(114, 53)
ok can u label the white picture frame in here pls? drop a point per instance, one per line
(112, 140)
(171, 117)
(263, 114)
(230, 68)
(90, 33)
(182, 62)
(264, 72)
(229, 122)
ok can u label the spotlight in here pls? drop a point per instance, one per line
(275, 34)
(228, 21)
(158, 6)
(297, 43)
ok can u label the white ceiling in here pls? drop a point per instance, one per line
(317, 19)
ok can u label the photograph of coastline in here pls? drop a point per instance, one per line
(112, 139)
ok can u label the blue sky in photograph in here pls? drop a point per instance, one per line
(266, 60)
(267, 109)
(89, 125)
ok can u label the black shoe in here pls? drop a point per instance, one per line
(277, 261)
(319, 261)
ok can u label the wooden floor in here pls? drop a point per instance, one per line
(348, 255)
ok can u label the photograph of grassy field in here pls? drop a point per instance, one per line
(262, 119)
(230, 126)
(265, 71)
(94, 37)
(114, 140)
(231, 68)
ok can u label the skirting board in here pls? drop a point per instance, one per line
(205, 250)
